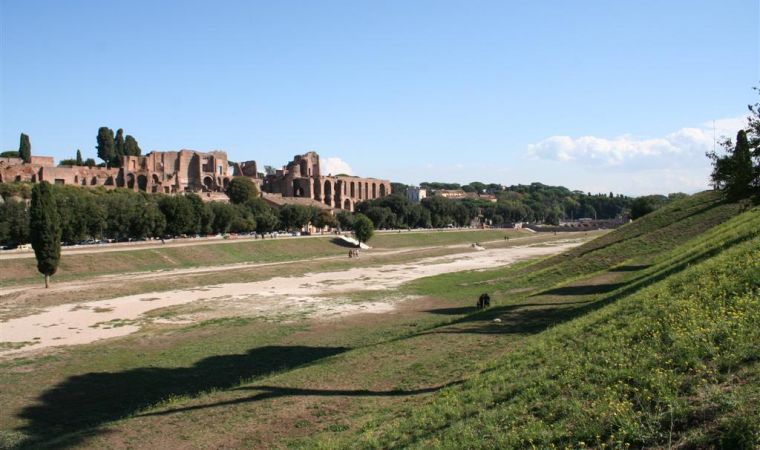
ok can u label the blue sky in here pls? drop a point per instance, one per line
(594, 95)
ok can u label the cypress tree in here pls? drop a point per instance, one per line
(130, 146)
(119, 144)
(45, 230)
(741, 176)
(25, 149)
(106, 146)
(79, 158)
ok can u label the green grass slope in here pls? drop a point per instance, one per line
(664, 354)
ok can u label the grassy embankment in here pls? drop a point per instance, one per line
(600, 342)
(81, 266)
(668, 355)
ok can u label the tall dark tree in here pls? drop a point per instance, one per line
(119, 144)
(106, 145)
(130, 146)
(733, 170)
(25, 148)
(79, 158)
(739, 184)
(754, 141)
(45, 230)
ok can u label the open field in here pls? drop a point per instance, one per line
(646, 336)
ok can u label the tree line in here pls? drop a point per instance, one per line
(519, 203)
(121, 214)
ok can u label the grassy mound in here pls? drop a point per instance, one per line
(667, 354)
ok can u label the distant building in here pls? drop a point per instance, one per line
(454, 194)
(415, 194)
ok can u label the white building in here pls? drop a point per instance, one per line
(415, 194)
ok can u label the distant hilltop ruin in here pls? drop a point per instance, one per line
(173, 172)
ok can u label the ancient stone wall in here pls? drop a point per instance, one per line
(193, 171)
(301, 178)
(167, 172)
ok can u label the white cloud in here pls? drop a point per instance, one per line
(334, 165)
(677, 148)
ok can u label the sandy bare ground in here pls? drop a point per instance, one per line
(312, 294)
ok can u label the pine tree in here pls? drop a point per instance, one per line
(25, 149)
(106, 146)
(45, 230)
(79, 158)
(130, 146)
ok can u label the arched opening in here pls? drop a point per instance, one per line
(109, 181)
(131, 181)
(353, 190)
(297, 189)
(366, 191)
(317, 190)
(347, 205)
(84, 181)
(94, 181)
(76, 179)
(208, 183)
(142, 182)
(374, 190)
(156, 183)
(382, 190)
(328, 193)
(303, 167)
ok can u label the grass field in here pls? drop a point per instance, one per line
(646, 336)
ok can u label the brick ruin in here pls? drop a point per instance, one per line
(210, 173)
(302, 178)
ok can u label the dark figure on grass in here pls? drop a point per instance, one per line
(484, 301)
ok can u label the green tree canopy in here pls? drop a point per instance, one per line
(106, 145)
(363, 228)
(295, 216)
(79, 161)
(242, 190)
(130, 146)
(45, 230)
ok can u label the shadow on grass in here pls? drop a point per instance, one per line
(342, 243)
(630, 268)
(582, 289)
(453, 311)
(66, 414)
(269, 392)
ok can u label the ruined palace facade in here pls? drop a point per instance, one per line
(205, 173)
(166, 172)
(302, 177)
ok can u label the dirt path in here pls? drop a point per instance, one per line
(313, 294)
